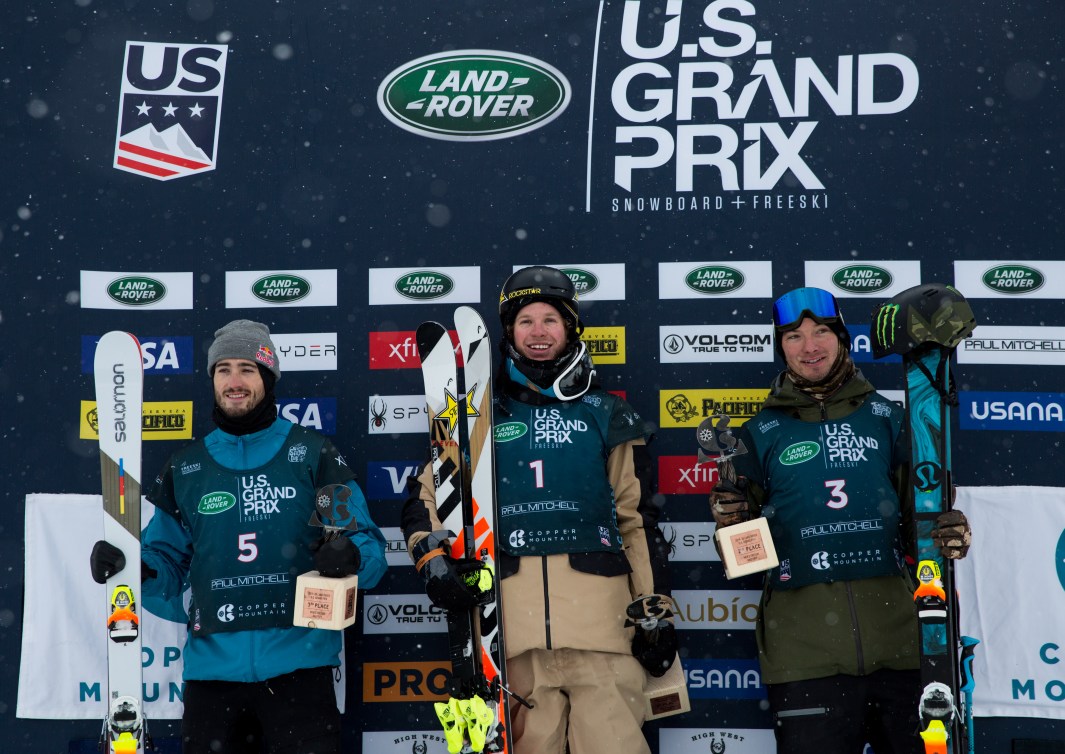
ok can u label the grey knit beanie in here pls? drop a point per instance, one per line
(244, 339)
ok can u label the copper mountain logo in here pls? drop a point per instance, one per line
(473, 95)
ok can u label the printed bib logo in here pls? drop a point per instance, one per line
(259, 499)
(846, 448)
(552, 431)
(473, 95)
(508, 431)
(800, 452)
(216, 502)
(170, 109)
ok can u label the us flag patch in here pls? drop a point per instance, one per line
(171, 106)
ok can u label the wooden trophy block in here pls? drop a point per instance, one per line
(323, 602)
(668, 694)
(746, 548)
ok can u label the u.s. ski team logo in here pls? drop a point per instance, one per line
(170, 107)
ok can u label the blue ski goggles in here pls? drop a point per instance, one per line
(789, 309)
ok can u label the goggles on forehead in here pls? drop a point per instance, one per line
(788, 310)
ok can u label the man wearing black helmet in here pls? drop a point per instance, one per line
(577, 530)
(827, 465)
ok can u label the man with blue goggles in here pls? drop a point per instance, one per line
(827, 463)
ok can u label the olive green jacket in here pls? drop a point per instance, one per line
(841, 627)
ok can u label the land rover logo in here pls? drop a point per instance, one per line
(714, 278)
(216, 502)
(424, 284)
(1013, 279)
(136, 291)
(280, 288)
(508, 431)
(861, 278)
(473, 95)
(584, 282)
(800, 452)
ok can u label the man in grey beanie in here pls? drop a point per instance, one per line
(251, 677)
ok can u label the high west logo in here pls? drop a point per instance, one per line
(170, 106)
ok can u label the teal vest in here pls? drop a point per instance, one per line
(551, 478)
(251, 533)
(830, 501)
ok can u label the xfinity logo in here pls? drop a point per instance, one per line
(399, 350)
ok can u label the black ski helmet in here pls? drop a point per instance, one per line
(539, 283)
(932, 313)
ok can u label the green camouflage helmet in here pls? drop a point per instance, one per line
(933, 314)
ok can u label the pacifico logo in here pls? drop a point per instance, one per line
(861, 278)
(473, 95)
(134, 290)
(424, 284)
(714, 279)
(280, 288)
(1013, 279)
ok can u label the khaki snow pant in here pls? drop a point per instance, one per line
(592, 699)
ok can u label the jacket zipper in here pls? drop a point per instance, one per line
(547, 602)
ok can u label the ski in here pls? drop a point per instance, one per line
(465, 485)
(119, 378)
(924, 325)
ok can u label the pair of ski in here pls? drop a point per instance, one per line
(119, 380)
(926, 345)
(476, 718)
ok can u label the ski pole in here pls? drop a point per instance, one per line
(968, 647)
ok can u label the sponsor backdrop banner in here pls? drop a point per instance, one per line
(683, 162)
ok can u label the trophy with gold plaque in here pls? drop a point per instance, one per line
(323, 601)
(745, 547)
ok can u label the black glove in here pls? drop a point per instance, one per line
(952, 534)
(728, 503)
(453, 584)
(656, 649)
(106, 560)
(336, 558)
(654, 644)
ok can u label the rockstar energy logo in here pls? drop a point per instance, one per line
(605, 344)
(687, 408)
(162, 420)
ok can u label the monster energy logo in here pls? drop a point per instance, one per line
(885, 323)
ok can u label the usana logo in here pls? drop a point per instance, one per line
(473, 95)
